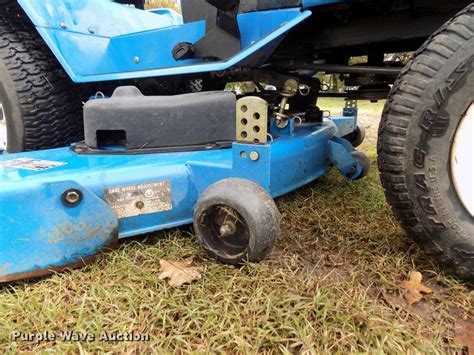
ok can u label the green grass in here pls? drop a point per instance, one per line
(321, 289)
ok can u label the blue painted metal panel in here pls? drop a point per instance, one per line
(345, 125)
(38, 233)
(104, 17)
(129, 44)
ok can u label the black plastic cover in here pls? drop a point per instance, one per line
(196, 10)
(131, 121)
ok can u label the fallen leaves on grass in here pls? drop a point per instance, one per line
(464, 331)
(415, 288)
(179, 272)
(393, 300)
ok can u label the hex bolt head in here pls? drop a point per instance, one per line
(227, 229)
(71, 197)
(63, 25)
(254, 156)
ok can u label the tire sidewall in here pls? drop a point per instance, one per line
(446, 99)
(12, 111)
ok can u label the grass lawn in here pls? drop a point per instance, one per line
(329, 286)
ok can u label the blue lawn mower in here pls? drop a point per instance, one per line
(117, 121)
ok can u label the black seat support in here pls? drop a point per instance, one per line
(222, 39)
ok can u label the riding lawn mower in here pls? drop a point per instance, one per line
(117, 121)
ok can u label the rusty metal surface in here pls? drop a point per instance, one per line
(252, 120)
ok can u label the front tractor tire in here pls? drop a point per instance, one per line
(426, 146)
(42, 106)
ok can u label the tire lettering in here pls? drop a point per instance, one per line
(438, 225)
(421, 182)
(434, 123)
(444, 211)
(431, 120)
(426, 204)
(419, 158)
(439, 97)
(459, 73)
(437, 194)
(432, 175)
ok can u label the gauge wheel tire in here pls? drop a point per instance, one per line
(42, 106)
(236, 221)
(422, 122)
(357, 137)
(364, 161)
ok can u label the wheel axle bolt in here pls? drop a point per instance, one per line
(226, 230)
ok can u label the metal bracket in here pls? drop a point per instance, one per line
(340, 154)
(252, 120)
(351, 108)
(222, 39)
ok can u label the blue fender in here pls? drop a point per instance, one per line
(99, 40)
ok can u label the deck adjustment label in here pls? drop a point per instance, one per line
(140, 199)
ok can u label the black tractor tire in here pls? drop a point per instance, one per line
(251, 215)
(42, 106)
(419, 124)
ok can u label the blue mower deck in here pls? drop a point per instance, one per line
(119, 196)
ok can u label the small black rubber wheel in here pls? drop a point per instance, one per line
(42, 106)
(364, 161)
(357, 137)
(426, 149)
(236, 221)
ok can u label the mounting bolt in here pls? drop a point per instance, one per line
(91, 30)
(136, 60)
(63, 25)
(254, 156)
(140, 205)
(227, 229)
(71, 197)
(351, 172)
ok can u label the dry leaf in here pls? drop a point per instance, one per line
(415, 288)
(464, 331)
(393, 300)
(179, 272)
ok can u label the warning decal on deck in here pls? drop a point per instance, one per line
(31, 164)
(135, 200)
